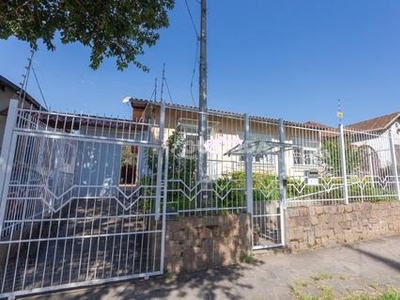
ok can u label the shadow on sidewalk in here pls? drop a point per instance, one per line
(200, 285)
(389, 262)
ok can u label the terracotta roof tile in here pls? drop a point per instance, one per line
(376, 124)
(318, 125)
(314, 125)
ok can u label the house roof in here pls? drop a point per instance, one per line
(135, 102)
(318, 125)
(376, 124)
(16, 89)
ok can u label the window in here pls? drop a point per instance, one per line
(264, 159)
(305, 152)
(190, 144)
(187, 129)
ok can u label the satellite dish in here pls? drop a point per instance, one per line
(127, 99)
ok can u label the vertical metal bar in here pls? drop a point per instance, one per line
(281, 164)
(7, 156)
(282, 178)
(343, 164)
(160, 161)
(248, 166)
(164, 217)
(394, 164)
(371, 167)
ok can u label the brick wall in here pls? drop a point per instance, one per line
(321, 226)
(198, 243)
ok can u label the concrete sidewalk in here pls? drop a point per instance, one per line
(368, 267)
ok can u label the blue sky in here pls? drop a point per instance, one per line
(290, 59)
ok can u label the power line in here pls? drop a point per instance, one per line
(169, 93)
(24, 83)
(40, 88)
(196, 61)
(191, 18)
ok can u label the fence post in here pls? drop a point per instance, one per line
(164, 218)
(394, 164)
(282, 178)
(343, 164)
(160, 152)
(7, 156)
(281, 163)
(248, 166)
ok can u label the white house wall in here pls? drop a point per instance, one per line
(381, 145)
(220, 164)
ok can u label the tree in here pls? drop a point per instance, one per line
(331, 158)
(111, 28)
(180, 167)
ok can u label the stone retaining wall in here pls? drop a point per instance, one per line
(321, 226)
(198, 243)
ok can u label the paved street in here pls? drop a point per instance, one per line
(368, 267)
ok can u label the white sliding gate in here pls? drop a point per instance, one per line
(74, 210)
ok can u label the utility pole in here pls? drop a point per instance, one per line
(201, 174)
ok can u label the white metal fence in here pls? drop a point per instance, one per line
(262, 165)
(73, 210)
(82, 196)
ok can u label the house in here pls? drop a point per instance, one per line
(8, 91)
(68, 156)
(226, 130)
(377, 135)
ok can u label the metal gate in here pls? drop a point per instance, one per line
(267, 216)
(79, 205)
(263, 152)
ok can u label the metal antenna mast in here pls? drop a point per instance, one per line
(24, 83)
(162, 83)
(202, 122)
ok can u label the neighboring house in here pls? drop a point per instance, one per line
(376, 139)
(8, 91)
(80, 166)
(226, 130)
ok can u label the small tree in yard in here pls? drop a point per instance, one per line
(180, 168)
(331, 157)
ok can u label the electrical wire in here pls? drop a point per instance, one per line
(169, 93)
(196, 59)
(191, 18)
(24, 84)
(40, 88)
(196, 62)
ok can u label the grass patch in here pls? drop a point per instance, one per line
(248, 259)
(321, 276)
(327, 293)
